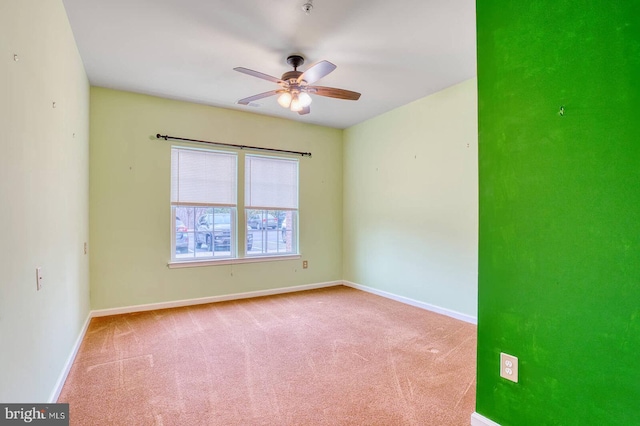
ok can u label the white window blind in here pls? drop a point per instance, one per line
(271, 183)
(203, 178)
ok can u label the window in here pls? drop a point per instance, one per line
(203, 204)
(271, 205)
(206, 222)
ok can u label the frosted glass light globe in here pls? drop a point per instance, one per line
(305, 99)
(285, 99)
(296, 105)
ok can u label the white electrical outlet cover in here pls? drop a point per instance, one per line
(509, 367)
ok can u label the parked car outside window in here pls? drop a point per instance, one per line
(182, 237)
(216, 228)
(262, 221)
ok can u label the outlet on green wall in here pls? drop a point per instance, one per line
(559, 196)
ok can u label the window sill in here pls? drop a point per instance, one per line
(209, 262)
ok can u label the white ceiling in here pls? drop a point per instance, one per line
(392, 52)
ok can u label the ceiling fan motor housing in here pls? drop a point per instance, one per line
(291, 75)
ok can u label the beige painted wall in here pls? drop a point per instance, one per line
(43, 197)
(130, 214)
(411, 203)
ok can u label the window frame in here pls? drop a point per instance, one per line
(292, 233)
(238, 249)
(291, 203)
(197, 234)
(175, 202)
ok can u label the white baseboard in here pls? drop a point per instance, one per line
(480, 420)
(211, 299)
(416, 303)
(67, 366)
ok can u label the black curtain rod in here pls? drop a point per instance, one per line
(258, 148)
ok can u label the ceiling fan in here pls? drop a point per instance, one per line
(296, 86)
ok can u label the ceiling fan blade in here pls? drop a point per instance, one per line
(258, 74)
(305, 110)
(246, 101)
(316, 72)
(332, 92)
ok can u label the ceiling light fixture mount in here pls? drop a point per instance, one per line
(307, 7)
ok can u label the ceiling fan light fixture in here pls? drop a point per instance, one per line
(295, 86)
(305, 99)
(285, 100)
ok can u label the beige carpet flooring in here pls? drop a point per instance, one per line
(334, 356)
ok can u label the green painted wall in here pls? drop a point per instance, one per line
(559, 251)
(129, 201)
(44, 200)
(410, 200)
